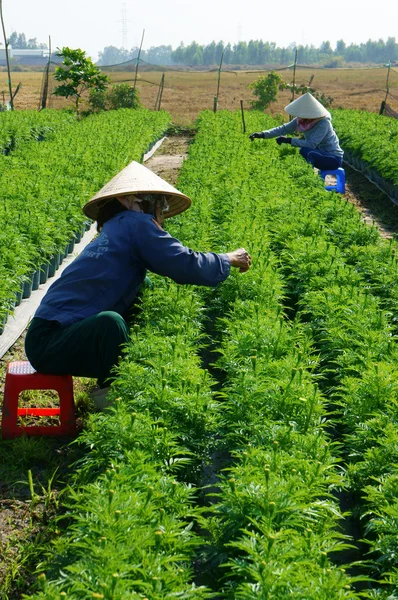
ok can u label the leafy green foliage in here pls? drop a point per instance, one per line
(266, 90)
(372, 139)
(77, 75)
(120, 95)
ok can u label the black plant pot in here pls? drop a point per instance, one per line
(3, 321)
(35, 280)
(18, 297)
(53, 266)
(27, 288)
(44, 272)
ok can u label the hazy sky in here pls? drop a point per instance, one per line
(93, 24)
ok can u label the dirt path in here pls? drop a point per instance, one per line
(375, 206)
(167, 161)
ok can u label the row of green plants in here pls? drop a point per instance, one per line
(355, 336)
(370, 143)
(335, 268)
(275, 524)
(44, 185)
(25, 126)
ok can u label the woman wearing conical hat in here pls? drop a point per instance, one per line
(79, 328)
(320, 144)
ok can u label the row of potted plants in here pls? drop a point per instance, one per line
(370, 144)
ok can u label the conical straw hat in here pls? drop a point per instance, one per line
(306, 107)
(137, 179)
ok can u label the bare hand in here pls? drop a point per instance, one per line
(241, 259)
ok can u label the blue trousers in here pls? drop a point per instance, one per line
(321, 159)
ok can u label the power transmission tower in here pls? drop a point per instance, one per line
(124, 22)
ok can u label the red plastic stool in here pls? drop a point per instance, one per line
(21, 376)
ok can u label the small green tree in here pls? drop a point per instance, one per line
(266, 89)
(78, 74)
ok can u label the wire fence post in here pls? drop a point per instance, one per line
(243, 116)
(43, 103)
(294, 76)
(294, 80)
(138, 61)
(388, 81)
(218, 83)
(7, 57)
(161, 91)
(157, 96)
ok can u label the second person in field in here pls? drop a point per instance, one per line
(319, 145)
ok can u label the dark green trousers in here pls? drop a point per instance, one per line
(89, 348)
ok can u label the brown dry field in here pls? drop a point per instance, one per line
(187, 93)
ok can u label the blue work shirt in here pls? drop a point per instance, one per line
(321, 136)
(109, 272)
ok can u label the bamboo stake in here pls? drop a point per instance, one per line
(388, 81)
(45, 87)
(294, 80)
(218, 83)
(243, 116)
(138, 60)
(161, 91)
(7, 59)
(294, 75)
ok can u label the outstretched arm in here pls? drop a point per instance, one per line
(276, 131)
(159, 252)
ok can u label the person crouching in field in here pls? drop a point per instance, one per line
(320, 145)
(79, 328)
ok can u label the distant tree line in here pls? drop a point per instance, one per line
(159, 55)
(257, 52)
(19, 41)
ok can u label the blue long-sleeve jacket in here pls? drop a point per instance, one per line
(108, 274)
(321, 136)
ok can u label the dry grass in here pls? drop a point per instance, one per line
(187, 93)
